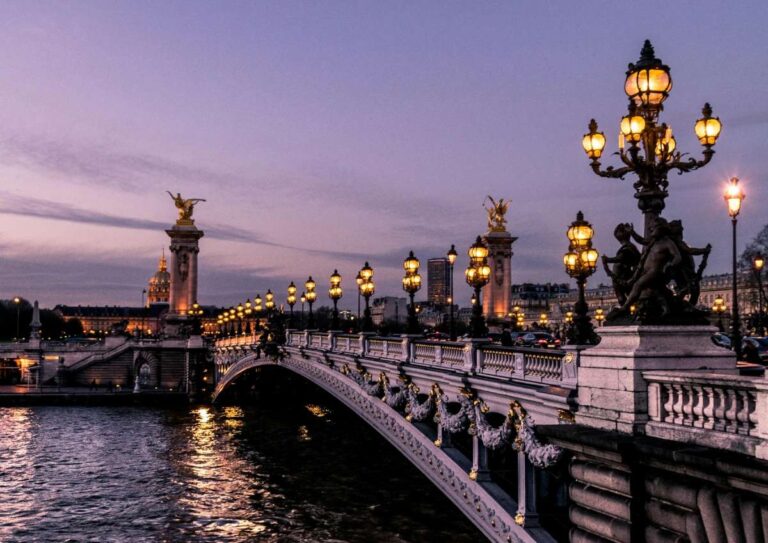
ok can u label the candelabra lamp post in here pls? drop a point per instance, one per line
(197, 313)
(452, 254)
(257, 309)
(734, 195)
(310, 296)
(599, 316)
(718, 306)
(411, 285)
(580, 262)
(240, 317)
(543, 320)
(17, 303)
(248, 310)
(232, 318)
(646, 145)
(219, 324)
(291, 300)
(758, 262)
(335, 293)
(269, 302)
(366, 290)
(477, 275)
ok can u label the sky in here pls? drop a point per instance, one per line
(325, 134)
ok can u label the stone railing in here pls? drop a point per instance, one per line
(349, 343)
(712, 409)
(238, 341)
(550, 366)
(536, 365)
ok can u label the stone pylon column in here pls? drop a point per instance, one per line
(498, 292)
(183, 293)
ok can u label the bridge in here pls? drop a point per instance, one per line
(425, 396)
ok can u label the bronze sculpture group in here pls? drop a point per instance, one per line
(659, 285)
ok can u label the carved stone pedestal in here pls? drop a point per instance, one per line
(497, 293)
(612, 392)
(184, 250)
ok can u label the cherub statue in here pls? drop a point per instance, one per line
(185, 207)
(624, 263)
(660, 256)
(686, 277)
(496, 214)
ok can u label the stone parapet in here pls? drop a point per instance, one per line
(612, 392)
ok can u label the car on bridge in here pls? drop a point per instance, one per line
(538, 339)
(755, 349)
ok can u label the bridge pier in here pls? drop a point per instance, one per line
(526, 492)
(479, 471)
(443, 437)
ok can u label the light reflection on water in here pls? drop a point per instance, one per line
(120, 474)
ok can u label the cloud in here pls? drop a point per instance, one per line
(13, 204)
(99, 165)
(117, 279)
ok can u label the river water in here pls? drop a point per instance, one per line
(305, 471)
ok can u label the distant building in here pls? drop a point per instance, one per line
(389, 308)
(438, 281)
(159, 288)
(147, 320)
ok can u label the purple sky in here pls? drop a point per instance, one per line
(327, 133)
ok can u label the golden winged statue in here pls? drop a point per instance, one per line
(496, 214)
(185, 206)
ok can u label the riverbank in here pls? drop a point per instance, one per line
(11, 396)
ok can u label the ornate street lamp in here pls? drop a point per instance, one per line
(335, 293)
(543, 320)
(452, 254)
(599, 316)
(366, 289)
(257, 309)
(646, 146)
(311, 296)
(359, 281)
(291, 300)
(17, 302)
(718, 306)
(758, 263)
(477, 276)
(580, 262)
(197, 312)
(232, 317)
(248, 313)
(411, 285)
(733, 196)
(303, 301)
(240, 316)
(269, 301)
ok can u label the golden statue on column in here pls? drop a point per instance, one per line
(497, 221)
(186, 207)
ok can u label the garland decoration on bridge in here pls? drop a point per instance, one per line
(453, 423)
(363, 379)
(394, 396)
(492, 437)
(540, 455)
(415, 410)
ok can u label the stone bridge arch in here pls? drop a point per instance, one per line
(500, 517)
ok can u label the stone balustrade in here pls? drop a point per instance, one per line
(530, 364)
(712, 409)
(239, 341)
(547, 366)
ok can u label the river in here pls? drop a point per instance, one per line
(276, 471)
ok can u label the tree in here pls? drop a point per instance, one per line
(759, 245)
